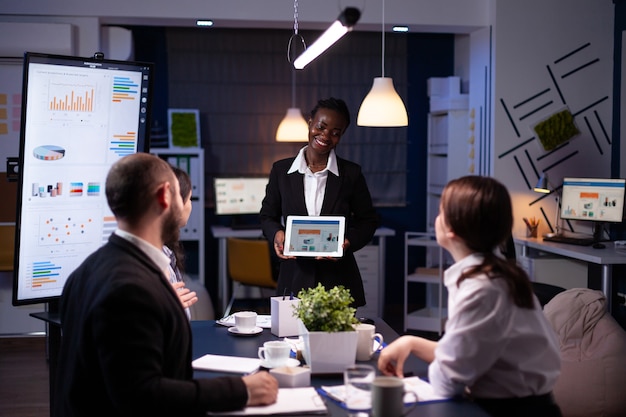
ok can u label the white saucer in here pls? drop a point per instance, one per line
(235, 330)
(291, 363)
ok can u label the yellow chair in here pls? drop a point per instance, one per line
(249, 264)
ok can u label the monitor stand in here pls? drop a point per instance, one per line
(598, 232)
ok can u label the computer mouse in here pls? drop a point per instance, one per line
(599, 246)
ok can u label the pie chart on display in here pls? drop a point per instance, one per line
(49, 152)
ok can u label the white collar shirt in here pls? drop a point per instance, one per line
(156, 255)
(314, 182)
(491, 346)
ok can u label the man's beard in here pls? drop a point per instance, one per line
(171, 231)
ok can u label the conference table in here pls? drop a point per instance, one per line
(209, 337)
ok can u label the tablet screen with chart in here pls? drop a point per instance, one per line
(314, 236)
(79, 116)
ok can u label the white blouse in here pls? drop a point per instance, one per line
(491, 346)
(314, 182)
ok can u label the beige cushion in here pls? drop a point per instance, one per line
(203, 309)
(593, 355)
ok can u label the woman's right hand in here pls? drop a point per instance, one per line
(279, 245)
(392, 357)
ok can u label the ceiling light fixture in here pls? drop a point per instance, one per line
(382, 107)
(344, 24)
(204, 23)
(293, 127)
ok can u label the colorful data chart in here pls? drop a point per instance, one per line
(44, 274)
(124, 144)
(49, 152)
(108, 227)
(76, 189)
(93, 188)
(72, 100)
(61, 230)
(124, 89)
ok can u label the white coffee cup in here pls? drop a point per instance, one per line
(245, 321)
(368, 341)
(274, 353)
(388, 397)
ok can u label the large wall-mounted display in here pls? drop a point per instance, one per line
(79, 116)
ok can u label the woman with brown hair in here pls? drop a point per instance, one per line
(498, 347)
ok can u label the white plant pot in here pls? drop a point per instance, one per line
(328, 353)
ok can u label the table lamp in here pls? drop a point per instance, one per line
(543, 186)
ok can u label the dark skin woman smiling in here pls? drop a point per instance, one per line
(317, 182)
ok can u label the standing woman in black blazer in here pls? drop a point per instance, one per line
(317, 182)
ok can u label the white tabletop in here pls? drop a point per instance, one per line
(606, 256)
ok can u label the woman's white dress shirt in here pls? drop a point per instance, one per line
(492, 346)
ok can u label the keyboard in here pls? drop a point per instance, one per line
(580, 241)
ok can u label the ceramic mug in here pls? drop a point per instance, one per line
(388, 397)
(274, 353)
(368, 341)
(245, 321)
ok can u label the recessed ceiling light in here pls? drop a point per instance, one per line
(204, 23)
(400, 28)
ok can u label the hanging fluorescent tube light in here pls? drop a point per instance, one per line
(344, 24)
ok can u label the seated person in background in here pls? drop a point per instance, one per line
(498, 345)
(126, 345)
(174, 250)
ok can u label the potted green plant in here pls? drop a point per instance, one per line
(327, 328)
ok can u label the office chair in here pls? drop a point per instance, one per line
(249, 263)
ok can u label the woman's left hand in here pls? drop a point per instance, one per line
(185, 295)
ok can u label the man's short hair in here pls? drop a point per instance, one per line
(131, 183)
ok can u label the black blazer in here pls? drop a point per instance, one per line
(346, 195)
(126, 343)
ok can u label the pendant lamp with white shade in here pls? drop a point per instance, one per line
(293, 127)
(382, 107)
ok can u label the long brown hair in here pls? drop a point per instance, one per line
(478, 210)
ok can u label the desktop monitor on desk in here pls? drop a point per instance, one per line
(240, 197)
(598, 200)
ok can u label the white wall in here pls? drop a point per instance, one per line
(533, 39)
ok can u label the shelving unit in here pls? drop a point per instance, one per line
(433, 316)
(447, 155)
(192, 235)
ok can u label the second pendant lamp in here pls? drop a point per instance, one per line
(382, 107)
(293, 127)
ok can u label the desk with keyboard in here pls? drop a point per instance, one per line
(580, 241)
(606, 257)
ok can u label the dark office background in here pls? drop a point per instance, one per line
(422, 55)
